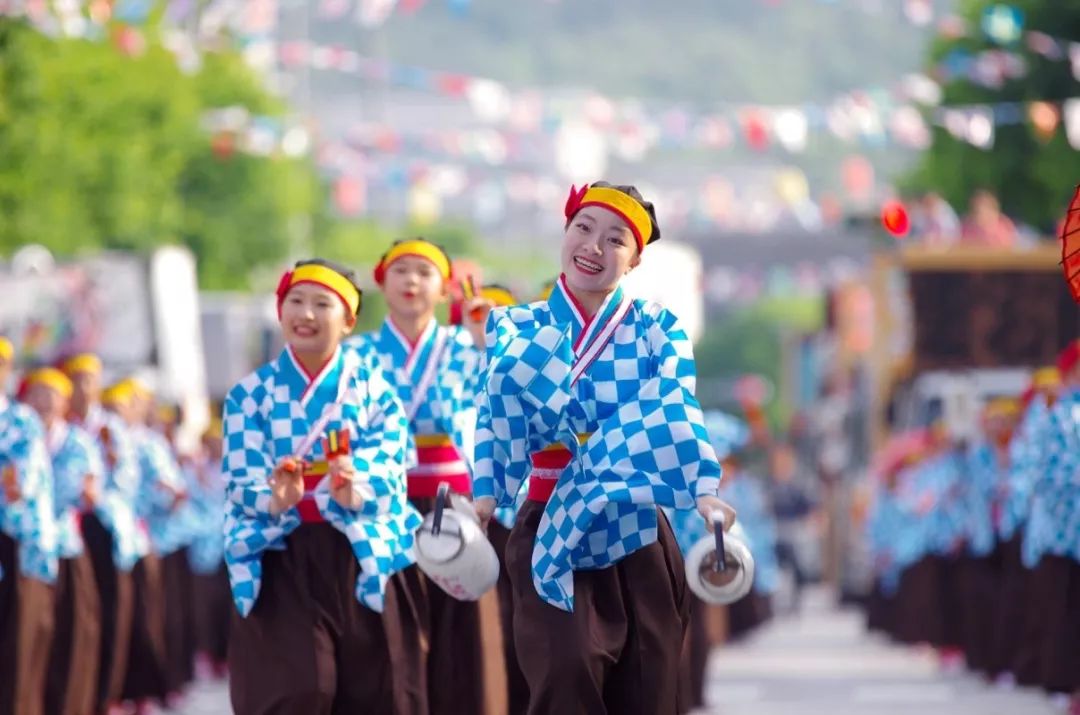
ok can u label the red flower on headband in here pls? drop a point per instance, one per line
(282, 289)
(573, 201)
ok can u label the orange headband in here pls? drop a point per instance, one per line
(322, 276)
(414, 247)
(624, 206)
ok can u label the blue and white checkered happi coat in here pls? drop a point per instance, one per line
(981, 486)
(29, 520)
(934, 480)
(885, 525)
(74, 456)
(267, 415)
(449, 407)
(1025, 453)
(726, 432)
(206, 503)
(649, 446)
(116, 507)
(160, 477)
(1054, 526)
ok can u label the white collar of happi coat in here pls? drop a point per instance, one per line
(590, 335)
(418, 358)
(56, 435)
(310, 382)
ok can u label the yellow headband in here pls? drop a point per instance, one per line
(327, 278)
(84, 362)
(117, 394)
(1046, 377)
(214, 429)
(414, 247)
(498, 295)
(52, 378)
(1002, 407)
(7, 350)
(626, 207)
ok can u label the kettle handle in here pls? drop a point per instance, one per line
(717, 518)
(440, 503)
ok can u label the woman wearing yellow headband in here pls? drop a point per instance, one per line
(110, 532)
(317, 523)
(78, 477)
(28, 564)
(434, 369)
(589, 394)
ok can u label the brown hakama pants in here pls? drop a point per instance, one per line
(619, 650)
(919, 616)
(980, 580)
(71, 683)
(26, 632)
(179, 621)
(1012, 605)
(115, 596)
(517, 688)
(1059, 645)
(213, 612)
(145, 676)
(465, 671)
(695, 657)
(310, 648)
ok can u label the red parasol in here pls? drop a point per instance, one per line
(1070, 246)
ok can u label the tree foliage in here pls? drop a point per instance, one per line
(1033, 177)
(101, 150)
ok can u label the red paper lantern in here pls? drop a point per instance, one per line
(1070, 246)
(894, 217)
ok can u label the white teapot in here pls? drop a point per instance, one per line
(719, 567)
(452, 550)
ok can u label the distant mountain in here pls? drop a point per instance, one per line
(708, 51)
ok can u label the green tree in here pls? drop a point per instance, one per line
(1032, 177)
(100, 150)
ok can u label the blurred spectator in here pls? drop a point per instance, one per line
(792, 506)
(985, 225)
(934, 221)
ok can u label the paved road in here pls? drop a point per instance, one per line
(822, 663)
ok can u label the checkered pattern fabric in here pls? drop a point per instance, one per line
(159, 477)
(266, 416)
(936, 481)
(885, 523)
(30, 520)
(980, 486)
(649, 446)
(1024, 455)
(116, 508)
(74, 456)
(1054, 526)
(726, 432)
(450, 403)
(207, 507)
